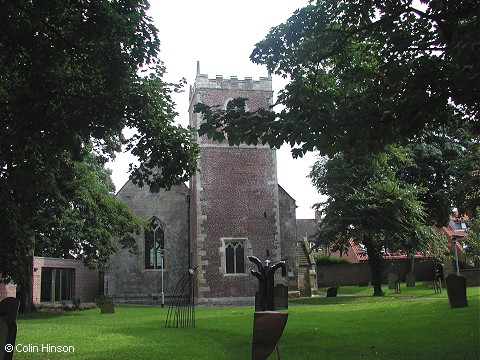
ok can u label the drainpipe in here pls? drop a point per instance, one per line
(188, 233)
(456, 257)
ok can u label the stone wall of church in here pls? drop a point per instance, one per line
(288, 231)
(238, 200)
(126, 278)
(236, 195)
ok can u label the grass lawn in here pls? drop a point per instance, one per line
(416, 324)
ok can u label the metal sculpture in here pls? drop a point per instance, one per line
(268, 325)
(181, 312)
(265, 276)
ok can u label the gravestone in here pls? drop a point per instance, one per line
(107, 305)
(437, 285)
(392, 278)
(8, 332)
(332, 292)
(437, 281)
(456, 290)
(281, 297)
(410, 277)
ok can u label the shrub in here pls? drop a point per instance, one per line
(77, 303)
(324, 259)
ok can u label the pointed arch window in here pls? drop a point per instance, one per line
(154, 244)
(234, 257)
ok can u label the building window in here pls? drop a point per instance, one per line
(154, 245)
(57, 284)
(234, 257)
(229, 105)
(458, 225)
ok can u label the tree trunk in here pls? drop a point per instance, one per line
(375, 260)
(25, 287)
(410, 263)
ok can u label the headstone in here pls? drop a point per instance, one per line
(107, 305)
(392, 278)
(397, 286)
(410, 277)
(437, 281)
(332, 292)
(281, 297)
(8, 316)
(437, 285)
(456, 290)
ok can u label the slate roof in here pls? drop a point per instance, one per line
(362, 256)
(305, 228)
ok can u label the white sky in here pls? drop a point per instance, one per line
(221, 35)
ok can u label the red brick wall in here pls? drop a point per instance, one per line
(357, 274)
(7, 290)
(233, 195)
(238, 203)
(350, 255)
(86, 280)
(472, 276)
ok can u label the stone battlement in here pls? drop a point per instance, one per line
(203, 81)
(233, 83)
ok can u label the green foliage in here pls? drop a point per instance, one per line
(366, 199)
(86, 218)
(368, 203)
(80, 72)
(473, 236)
(74, 75)
(77, 303)
(430, 168)
(365, 74)
(465, 193)
(324, 259)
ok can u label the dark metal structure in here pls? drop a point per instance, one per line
(268, 328)
(265, 276)
(181, 312)
(268, 325)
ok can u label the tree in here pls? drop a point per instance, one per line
(473, 236)
(364, 74)
(466, 193)
(76, 73)
(431, 167)
(85, 217)
(369, 204)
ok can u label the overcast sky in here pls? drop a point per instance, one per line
(221, 35)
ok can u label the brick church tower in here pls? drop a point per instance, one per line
(234, 199)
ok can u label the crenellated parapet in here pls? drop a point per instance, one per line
(202, 81)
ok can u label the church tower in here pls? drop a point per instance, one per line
(234, 198)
